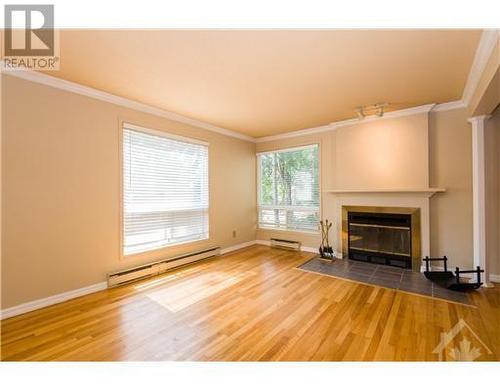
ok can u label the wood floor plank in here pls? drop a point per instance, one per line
(250, 305)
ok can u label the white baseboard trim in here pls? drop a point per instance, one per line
(237, 247)
(47, 301)
(309, 249)
(61, 297)
(314, 250)
(495, 278)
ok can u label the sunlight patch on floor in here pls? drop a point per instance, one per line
(162, 280)
(179, 296)
(152, 284)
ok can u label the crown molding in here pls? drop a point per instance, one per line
(487, 42)
(489, 39)
(454, 105)
(387, 115)
(80, 89)
(90, 92)
(350, 122)
(296, 133)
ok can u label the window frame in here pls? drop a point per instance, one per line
(258, 177)
(147, 254)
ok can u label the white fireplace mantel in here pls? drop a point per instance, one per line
(394, 197)
(413, 192)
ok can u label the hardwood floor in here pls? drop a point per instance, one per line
(251, 305)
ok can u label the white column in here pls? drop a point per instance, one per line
(479, 196)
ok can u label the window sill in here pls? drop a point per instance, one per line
(162, 251)
(312, 233)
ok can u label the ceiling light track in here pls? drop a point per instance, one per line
(377, 109)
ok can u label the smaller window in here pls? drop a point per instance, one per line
(289, 189)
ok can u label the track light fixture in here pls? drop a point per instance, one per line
(360, 112)
(380, 108)
(377, 109)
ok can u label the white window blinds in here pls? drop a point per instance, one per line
(165, 190)
(289, 189)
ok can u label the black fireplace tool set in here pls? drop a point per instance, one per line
(325, 250)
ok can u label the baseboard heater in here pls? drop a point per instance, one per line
(283, 243)
(158, 267)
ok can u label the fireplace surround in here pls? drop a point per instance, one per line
(382, 235)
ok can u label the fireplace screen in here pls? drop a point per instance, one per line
(380, 238)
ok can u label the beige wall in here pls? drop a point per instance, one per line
(1, 232)
(450, 162)
(61, 204)
(392, 153)
(430, 150)
(60, 161)
(492, 175)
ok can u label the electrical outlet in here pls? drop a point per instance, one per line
(234, 233)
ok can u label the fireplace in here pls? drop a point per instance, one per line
(382, 235)
(382, 238)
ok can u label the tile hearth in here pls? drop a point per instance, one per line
(384, 276)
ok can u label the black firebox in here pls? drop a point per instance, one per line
(382, 238)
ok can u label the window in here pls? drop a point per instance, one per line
(165, 190)
(289, 189)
